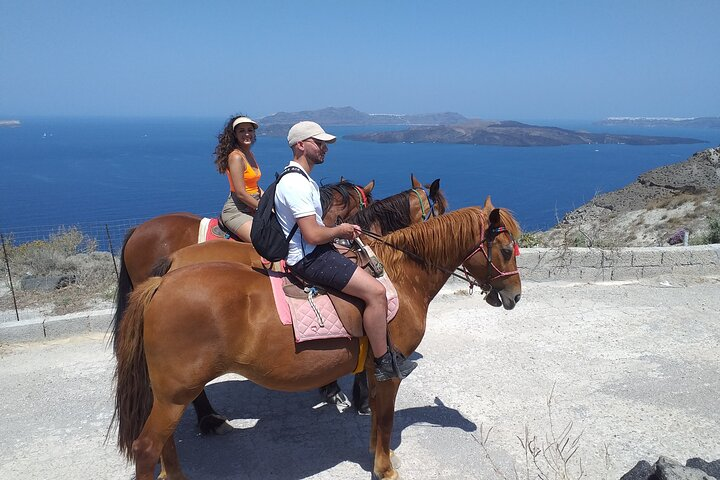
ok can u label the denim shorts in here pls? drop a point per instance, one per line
(325, 267)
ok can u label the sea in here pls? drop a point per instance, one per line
(117, 172)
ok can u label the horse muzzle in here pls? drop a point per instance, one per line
(498, 298)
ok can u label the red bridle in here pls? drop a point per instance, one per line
(494, 232)
(363, 201)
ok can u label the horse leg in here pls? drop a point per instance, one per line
(170, 464)
(208, 419)
(156, 433)
(383, 414)
(360, 393)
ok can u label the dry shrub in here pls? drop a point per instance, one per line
(67, 258)
(556, 457)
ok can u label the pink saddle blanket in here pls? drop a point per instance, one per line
(304, 318)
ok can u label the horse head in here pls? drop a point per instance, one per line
(344, 199)
(493, 263)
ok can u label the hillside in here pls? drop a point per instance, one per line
(648, 211)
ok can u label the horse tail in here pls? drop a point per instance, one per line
(133, 394)
(161, 267)
(124, 288)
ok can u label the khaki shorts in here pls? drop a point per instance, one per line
(235, 213)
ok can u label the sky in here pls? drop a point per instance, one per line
(502, 60)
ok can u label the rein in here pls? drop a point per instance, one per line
(466, 276)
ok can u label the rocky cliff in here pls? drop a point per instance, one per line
(648, 211)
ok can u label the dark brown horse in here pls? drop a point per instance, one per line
(149, 243)
(196, 316)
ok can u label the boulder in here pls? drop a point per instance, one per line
(668, 469)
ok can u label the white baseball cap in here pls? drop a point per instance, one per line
(306, 129)
(240, 120)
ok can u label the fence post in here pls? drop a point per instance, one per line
(112, 254)
(7, 265)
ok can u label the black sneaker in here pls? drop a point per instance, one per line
(393, 365)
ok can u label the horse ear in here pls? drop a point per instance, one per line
(434, 188)
(414, 181)
(488, 205)
(494, 217)
(369, 187)
(439, 402)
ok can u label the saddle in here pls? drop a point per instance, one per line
(317, 313)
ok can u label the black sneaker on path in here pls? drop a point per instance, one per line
(393, 365)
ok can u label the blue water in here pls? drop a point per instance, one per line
(59, 171)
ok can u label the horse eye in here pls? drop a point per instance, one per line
(507, 253)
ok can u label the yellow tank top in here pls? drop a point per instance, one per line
(250, 178)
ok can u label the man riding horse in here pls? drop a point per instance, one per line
(311, 255)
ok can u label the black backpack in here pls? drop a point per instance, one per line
(266, 233)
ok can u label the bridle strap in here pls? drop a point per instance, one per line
(494, 232)
(363, 201)
(431, 204)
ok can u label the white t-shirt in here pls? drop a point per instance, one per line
(297, 197)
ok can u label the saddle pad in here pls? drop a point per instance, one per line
(204, 229)
(210, 230)
(301, 314)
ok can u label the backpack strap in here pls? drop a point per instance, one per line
(289, 169)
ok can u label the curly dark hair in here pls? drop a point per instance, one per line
(226, 144)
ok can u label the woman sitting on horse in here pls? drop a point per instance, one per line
(234, 157)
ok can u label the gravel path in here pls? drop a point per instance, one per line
(634, 367)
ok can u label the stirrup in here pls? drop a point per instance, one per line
(367, 256)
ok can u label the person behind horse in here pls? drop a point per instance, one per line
(234, 157)
(311, 255)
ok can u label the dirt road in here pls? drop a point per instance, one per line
(632, 366)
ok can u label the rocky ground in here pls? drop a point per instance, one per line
(648, 211)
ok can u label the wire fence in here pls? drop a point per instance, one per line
(109, 235)
(40, 261)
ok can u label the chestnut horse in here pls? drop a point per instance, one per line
(382, 216)
(148, 244)
(196, 316)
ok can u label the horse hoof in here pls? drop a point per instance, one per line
(214, 424)
(395, 476)
(363, 409)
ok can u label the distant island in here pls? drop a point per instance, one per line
(450, 127)
(278, 124)
(351, 116)
(512, 134)
(697, 122)
(9, 123)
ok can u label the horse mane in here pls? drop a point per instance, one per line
(391, 213)
(421, 238)
(510, 223)
(342, 189)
